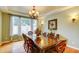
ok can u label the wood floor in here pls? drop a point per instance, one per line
(17, 47)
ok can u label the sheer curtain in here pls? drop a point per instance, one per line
(21, 25)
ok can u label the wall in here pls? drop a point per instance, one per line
(65, 26)
(0, 26)
(5, 27)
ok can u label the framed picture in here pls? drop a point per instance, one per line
(52, 24)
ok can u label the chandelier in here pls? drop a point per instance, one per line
(33, 13)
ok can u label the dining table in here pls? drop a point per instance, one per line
(46, 44)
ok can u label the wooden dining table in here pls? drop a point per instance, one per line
(46, 44)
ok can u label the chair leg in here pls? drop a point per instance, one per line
(25, 48)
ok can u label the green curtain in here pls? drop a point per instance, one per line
(5, 27)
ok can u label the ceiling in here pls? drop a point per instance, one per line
(23, 10)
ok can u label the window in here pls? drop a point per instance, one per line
(21, 25)
(14, 25)
(25, 25)
(34, 25)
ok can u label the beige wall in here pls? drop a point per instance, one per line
(0, 26)
(66, 27)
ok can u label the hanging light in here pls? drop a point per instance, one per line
(33, 13)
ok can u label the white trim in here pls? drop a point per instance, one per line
(11, 27)
(73, 47)
(57, 11)
(0, 26)
(19, 26)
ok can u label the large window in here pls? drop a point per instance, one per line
(21, 25)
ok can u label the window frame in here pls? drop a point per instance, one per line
(19, 27)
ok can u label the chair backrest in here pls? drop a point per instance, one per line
(57, 36)
(38, 32)
(24, 36)
(30, 43)
(51, 35)
(44, 34)
(61, 46)
(30, 33)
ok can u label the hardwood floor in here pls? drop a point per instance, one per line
(71, 50)
(17, 47)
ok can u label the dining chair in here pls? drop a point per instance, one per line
(30, 33)
(25, 42)
(38, 32)
(57, 36)
(57, 48)
(51, 35)
(60, 47)
(44, 34)
(29, 45)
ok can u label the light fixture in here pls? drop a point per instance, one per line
(42, 22)
(73, 20)
(33, 13)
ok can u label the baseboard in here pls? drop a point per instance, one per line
(73, 47)
(5, 42)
